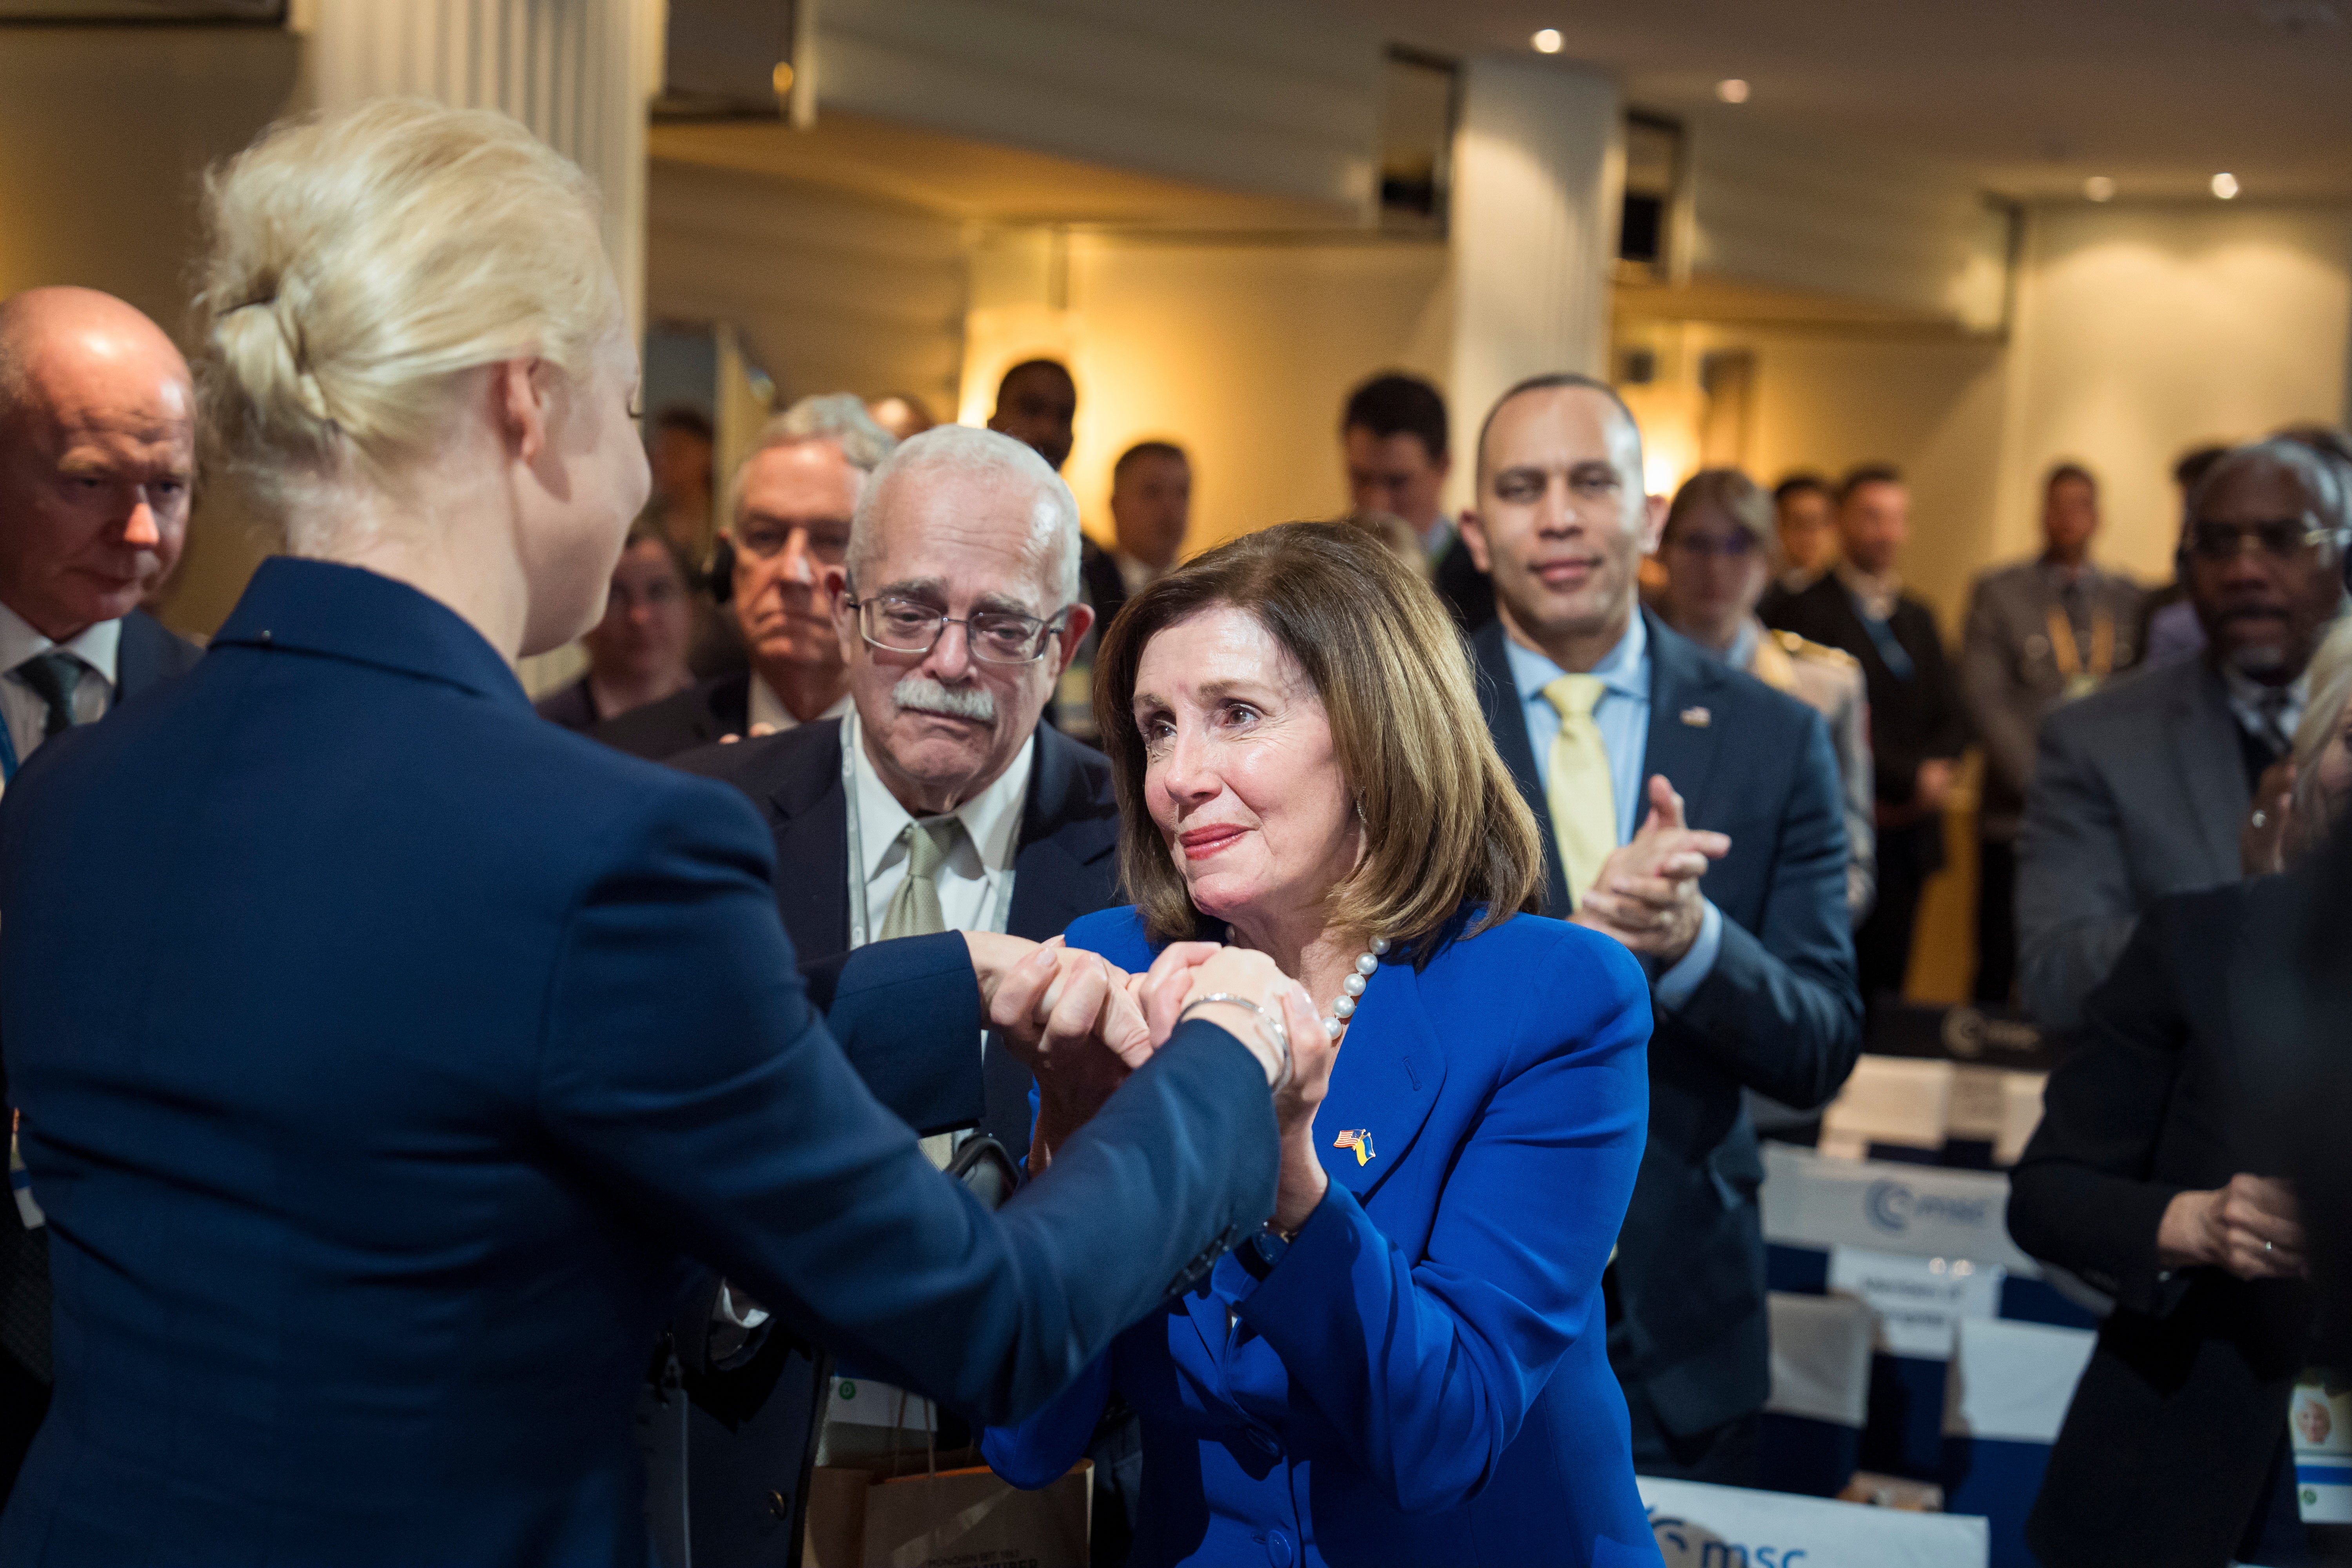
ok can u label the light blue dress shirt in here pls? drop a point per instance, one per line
(1623, 716)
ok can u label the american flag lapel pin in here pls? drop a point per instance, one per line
(1360, 1141)
(1697, 718)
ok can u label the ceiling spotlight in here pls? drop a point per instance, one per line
(1731, 89)
(2099, 188)
(1548, 41)
(2225, 186)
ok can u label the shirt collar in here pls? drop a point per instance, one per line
(98, 646)
(1625, 670)
(1438, 537)
(767, 709)
(2249, 699)
(991, 818)
(1877, 594)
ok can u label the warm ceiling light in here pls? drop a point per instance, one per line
(2225, 186)
(1548, 41)
(1731, 89)
(2099, 188)
(782, 76)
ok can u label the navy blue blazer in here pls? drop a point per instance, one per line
(1065, 865)
(1780, 1012)
(1419, 1378)
(376, 1084)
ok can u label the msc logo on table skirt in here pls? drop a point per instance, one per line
(1686, 1545)
(1892, 1205)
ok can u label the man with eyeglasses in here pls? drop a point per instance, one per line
(934, 800)
(1695, 816)
(2168, 780)
(788, 513)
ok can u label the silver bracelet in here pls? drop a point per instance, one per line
(1269, 1025)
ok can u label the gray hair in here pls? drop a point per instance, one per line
(839, 418)
(2316, 474)
(990, 457)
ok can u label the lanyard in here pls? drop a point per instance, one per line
(9, 762)
(995, 913)
(2068, 654)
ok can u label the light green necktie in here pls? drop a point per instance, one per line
(915, 907)
(1579, 792)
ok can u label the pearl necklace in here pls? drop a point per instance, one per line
(1343, 1005)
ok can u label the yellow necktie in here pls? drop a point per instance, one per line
(1582, 799)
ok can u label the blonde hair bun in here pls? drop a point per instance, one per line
(359, 264)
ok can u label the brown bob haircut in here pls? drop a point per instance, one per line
(1444, 826)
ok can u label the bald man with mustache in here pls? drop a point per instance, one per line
(97, 460)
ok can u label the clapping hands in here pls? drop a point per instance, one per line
(1646, 894)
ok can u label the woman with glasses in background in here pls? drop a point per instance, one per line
(1717, 554)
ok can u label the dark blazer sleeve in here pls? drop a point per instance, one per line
(682, 1065)
(1781, 1010)
(2084, 1194)
(2076, 903)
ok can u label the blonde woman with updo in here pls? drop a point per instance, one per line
(385, 1054)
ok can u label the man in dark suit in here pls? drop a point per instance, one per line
(2150, 787)
(97, 457)
(940, 802)
(2038, 633)
(1695, 816)
(1918, 727)
(1394, 439)
(787, 520)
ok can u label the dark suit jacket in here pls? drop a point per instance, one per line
(450, 1033)
(1911, 721)
(2138, 790)
(148, 656)
(2170, 1441)
(1066, 865)
(698, 716)
(1106, 588)
(1778, 1014)
(1467, 591)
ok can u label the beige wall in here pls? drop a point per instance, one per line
(2143, 331)
(1241, 353)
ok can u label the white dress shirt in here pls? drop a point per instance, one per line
(769, 716)
(972, 882)
(23, 708)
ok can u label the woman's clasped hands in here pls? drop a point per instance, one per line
(1081, 1024)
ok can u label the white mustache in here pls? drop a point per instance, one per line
(921, 694)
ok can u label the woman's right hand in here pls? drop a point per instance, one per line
(2252, 1227)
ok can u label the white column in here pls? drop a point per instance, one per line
(1539, 173)
(580, 73)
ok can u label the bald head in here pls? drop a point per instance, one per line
(97, 457)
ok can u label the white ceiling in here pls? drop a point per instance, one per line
(2029, 96)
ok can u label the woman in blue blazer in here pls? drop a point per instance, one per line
(384, 1052)
(1408, 1367)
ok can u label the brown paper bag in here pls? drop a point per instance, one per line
(971, 1519)
(835, 1534)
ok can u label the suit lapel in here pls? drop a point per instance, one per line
(2205, 746)
(1385, 1081)
(1684, 731)
(1499, 695)
(1065, 834)
(810, 817)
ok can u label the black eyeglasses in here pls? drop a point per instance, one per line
(2279, 539)
(996, 637)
